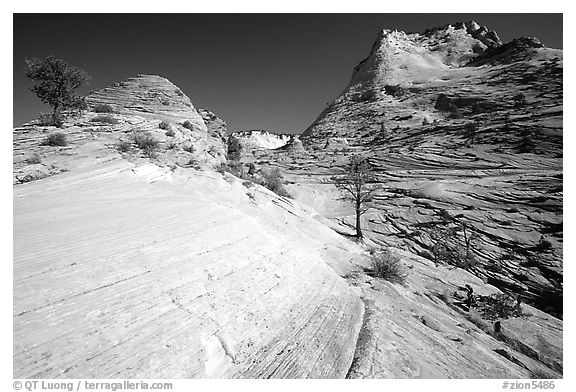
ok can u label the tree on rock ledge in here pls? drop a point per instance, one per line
(354, 185)
(55, 82)
(234, 148)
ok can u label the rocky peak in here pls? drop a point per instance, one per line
(416, 103)
(149, 96)
(481, 33)
(398, 57)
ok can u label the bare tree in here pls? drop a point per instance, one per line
(354, 185)
(470, 131)
(453, 248)
(470, 238)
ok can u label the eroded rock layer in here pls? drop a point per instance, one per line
(149, 95)
(141, 272)
(462, 130)
(257, 139)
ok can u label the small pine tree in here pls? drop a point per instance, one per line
(234, 148)
(55, 83)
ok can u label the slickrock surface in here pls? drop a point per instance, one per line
(134, 271)
(149, 264)
(409, 107)
(417, 330)
(139, 264)
(130, 270)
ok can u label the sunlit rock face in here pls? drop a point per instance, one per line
(153, 105)
(260, 139)
(149, 95)
(131, 270)
(136, 263)
(410, 105)
(142, 261)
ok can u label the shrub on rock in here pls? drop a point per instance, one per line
(499, 306)
(526, 143)
(103, 108)
(188, 125)
(147, 143)
(387, 266)
(34, 159)
(273, 180)
(124, 146)
(56, 139)
(234, 149)
(105, 119)
(394, 90)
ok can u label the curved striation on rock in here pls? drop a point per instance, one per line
(142, 272)
(421, 330)
(478, 142)
(149, 96)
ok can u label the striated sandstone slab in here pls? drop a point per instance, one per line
(133, 271)
(417, 330)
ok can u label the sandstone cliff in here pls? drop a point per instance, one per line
(462, 130)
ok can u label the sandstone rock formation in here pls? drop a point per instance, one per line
(417, 330)
(259, 139)
(136, 263)
(146, 105)
(149, 95)
(462, 129)
(139, 271)
(215, 125)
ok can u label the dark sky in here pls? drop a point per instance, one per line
(256, 71)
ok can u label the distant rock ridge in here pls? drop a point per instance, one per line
(262, 139)
(258, 131)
